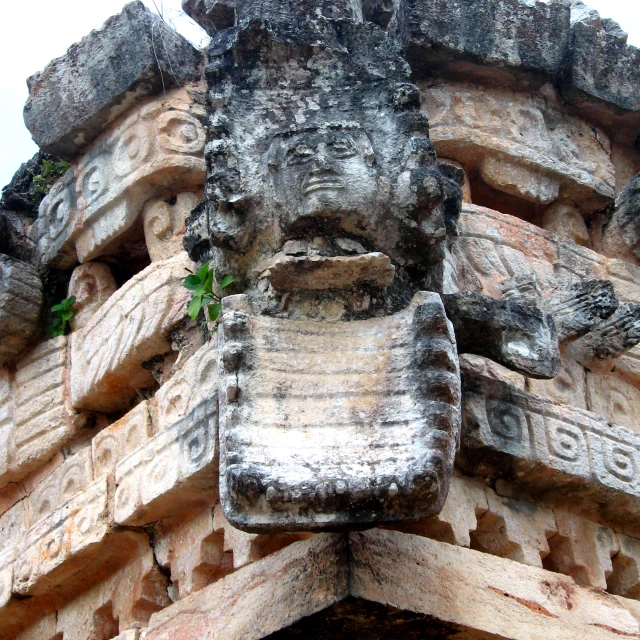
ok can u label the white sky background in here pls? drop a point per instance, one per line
(36, 31)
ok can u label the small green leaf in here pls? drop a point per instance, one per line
(194, 307)
(208, 285)
(66, 315)
(225, 282)
(203, 272)
(191, 282)
(70, 300)
(57, 321)
(214, 311)
(57, 307)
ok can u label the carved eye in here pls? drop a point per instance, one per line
(301, 153)
(342, 149)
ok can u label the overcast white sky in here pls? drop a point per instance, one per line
(35, 31)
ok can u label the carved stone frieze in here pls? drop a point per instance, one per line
(156, 151)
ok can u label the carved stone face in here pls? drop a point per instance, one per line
(324, 172)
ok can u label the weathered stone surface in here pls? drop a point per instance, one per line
(358, 467)
(614, 398)
(551, 453)
(622, 234)
(602, 74)
(155, 151)
(568, 387)
(164, 224)
(72, 477)
(504, 34)
(91, 284)
(609, 339)
(38, 416)
(20, 303)
(318, 272)
(188, 387)
(625, 577)
(581, 306)
(263, 597)
(211, 15)
(540, 153)
(105, 374)
(133, 55)
(119, 439)
(482, 595)
(517, 336)
(567, 222)
(173, 471)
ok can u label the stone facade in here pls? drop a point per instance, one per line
(354, 341)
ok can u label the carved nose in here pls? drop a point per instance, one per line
(321, 163)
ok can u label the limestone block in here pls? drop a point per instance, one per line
(173, 471)
(567, 222)
(613, 398)
(568, 387)
(91, 284)
(490, 369)
(263, 597)
(503, 34)
(7, 557)
(622, 235)
(12, 526)
(495, 249)
(211, 15)
(608, 340)
(134, 54)
(628, 366)
(124, 599)
(57, 546)
(71, 478)
(478, 595)
(164, 224)
(625, 578)
(310, 441)
(43, 419)
(250, 547)
(466, 502)
(514, 529)
(288, 273)
(118, 440)
(105, 374)
(551, 453)
(625, 278)
(193, 551)
(603, 72)
(520, 337)
(540, 153)
(583, 550)
(20, 303)
(580, 306)
(155, 152)
(7, 420)
(45, 629)
(189, 386)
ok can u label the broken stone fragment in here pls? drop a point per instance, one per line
(580, 307)
(20, 304)
(622, 234)
(319, 272)
(77, 96)
(211, 15)
(608, 340)
(517, 336)
(324, 442)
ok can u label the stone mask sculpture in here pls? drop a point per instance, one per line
(340, 384)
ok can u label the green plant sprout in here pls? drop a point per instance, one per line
(51, 171)
(201, 283)
(61, 315)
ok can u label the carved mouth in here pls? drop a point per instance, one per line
(324, 183)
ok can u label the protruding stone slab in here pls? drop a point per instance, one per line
(78, 95)
(131, 328)
(312, 441)
(560, 455)
(20, 303)
(157, 150)
(172, 472)
(622, 234)
(609, 339)
(315, 273)
(517, 336)
(580, 307)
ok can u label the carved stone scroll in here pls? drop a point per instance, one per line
(376, 427)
